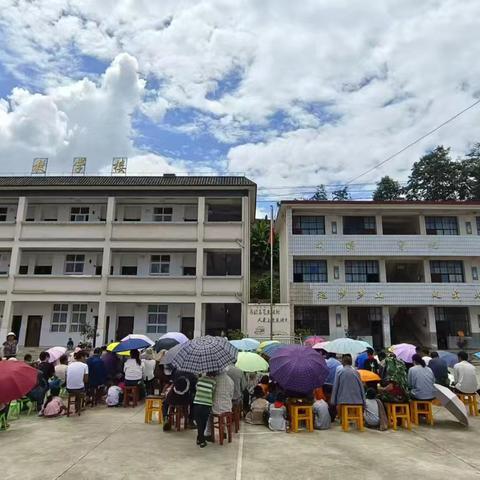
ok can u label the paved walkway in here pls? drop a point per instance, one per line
(115, 443)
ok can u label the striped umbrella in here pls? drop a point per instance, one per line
(205, 354)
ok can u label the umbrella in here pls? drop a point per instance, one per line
(55, 353)
(137, 336)
(246, 344)
(368, 376)
(111, 347)
(347, 345)
(16, 379)
(205, 354)
(298, 369)
(452, 403)
(251, 362)
(131, 344)
(312, 340)
(179, 337)
(404, 351)
(170, 355)
(477, 354)
(321, 345)
(165, 344)
(269, 350)
(450, 358)
(264, 344)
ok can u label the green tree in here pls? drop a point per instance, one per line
(320, 193)
(387, 189)
(469, 182)
(434, 177)
(341, 194)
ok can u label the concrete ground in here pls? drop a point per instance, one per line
(116, 443)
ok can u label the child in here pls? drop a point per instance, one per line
(375, 416)
(202, 405)
(53, 406)
(322, 419)
(258, 408)
(114, 394)
(278, 414)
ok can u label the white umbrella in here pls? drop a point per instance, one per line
(347, 345)
(138, 336)
(452, 403)
(322, 345)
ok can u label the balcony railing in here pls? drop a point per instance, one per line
(409, 294)
(3, 284)
(223, 231)
(83, 284)
(222, 286)
(176, 231)
(63, 231)
(134, 285)
(7, 230)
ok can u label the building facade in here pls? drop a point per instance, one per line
(387, 272)
(123, 255)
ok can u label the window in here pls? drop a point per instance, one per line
(23, 270)
(224, 212)
(468, 227)
(79, 214)
(42, 270)
(157, 319)
(309, 271)
(74, 264)
(361, 271)
(3, 214)
(30, 215)
(441, 225)
(456, 320)
(359, 226)
(98, 269)
(49, 213)
(314, 319)
(59, 318)
(79, 317)
(159, 264)
(162, 214)
(308, 225)
(129, 270)
(189, 271)
(221, 264)
(478, 225)
(132, 214)
(446, 271)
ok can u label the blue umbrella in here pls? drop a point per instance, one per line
(477, 354)
(131, 344)
(450, 358)
(269, 350)
(347, 345)
(245, 344)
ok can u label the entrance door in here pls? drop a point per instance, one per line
(442, 335)
(34, 327)
(377, 335)
(187, 326)
(124, 327)
(16, 325)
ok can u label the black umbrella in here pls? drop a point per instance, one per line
(165, 344)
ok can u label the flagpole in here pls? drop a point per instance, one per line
(272, 239)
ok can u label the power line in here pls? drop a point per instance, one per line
(391, 157)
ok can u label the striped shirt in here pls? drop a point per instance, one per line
(205, 388)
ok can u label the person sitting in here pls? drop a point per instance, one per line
(348, 388)
(133, 370)
(394, 385)
(70, 343)
(420, 380)
(182, 393)
(375, 415)
(273, 389)
(464, 377)
(149, 365)
(332, 364)
(45, 366)
(321, 415)
(97, 373)
(439, 368)
(61, 369)
(264, 382)
(53, 406)
(28, 359)
(114, 394)
(77, 377)
(258, 408)
(426, 356)
(370, 363)
(277, 414)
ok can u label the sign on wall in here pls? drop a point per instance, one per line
(119, 165)
(39, 166)
(258, 320)
(79, 166)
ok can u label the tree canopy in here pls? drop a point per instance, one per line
(387, 189)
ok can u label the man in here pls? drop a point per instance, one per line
(97, 372)
(348, 388)
(361, 357)
(77, 378)
(70, 343)
(333, 364)
(239, 384)
(10, 346)
(370, 363)
(426, 357)
(439, 368)
(464, 377)
(222, 399)
(45, 366)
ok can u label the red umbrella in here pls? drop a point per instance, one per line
(16, 379)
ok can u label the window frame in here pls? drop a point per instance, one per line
(56, 323)
(308, 225)
(164, 260)
(448, 267)
(439, 226)
(79, 311)
(75, 262)
(3, 213)
(371, 219)
(357, 271)
(303, 271)
(442, 313)
(79, 214)
(157, 312)
(162, 217)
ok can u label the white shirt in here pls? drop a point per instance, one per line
(148, 369)
(75, 373)
(113, 395)
(60, 371)
(133, 371)
(426, 359)
(465, 379)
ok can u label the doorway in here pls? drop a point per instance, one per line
(124, 327)
(16, 325)
(188, 326)
(34, 327)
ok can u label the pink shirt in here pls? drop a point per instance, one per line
(53, 408)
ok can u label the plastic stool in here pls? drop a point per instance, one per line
(421, 408)
(153, 404)
(14, 410)
(399, 411)
(3, 422)
(220, 421)
(301, 413)
(470, 401)
(130, 397)
(26, 402)
(352, 413)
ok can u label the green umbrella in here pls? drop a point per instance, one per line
(251, 362)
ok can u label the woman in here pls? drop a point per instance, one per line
(149, 370)
(61, 369)
(133, 370)
(394, 387)
(10, 346)
(258, 408)
(421, 380)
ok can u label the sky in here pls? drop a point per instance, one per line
(290, 94)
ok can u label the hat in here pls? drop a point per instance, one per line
(11, 334)
(181, 385)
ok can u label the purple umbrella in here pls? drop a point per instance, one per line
(179, 337)
(404, 351)
(298, 369)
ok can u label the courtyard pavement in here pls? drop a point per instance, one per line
(116, 443)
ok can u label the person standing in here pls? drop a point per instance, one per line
(202, 404)
(439, 368)
(10, 346)
(464, 376)
(70, 343)
(239, 385)
(421, 380)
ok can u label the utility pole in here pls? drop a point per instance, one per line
(272, 239)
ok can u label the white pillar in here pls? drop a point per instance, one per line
(198, 321)
(382, 270)
(245, 243)
(387, 340)
(379, 224)
(199, 269)
(432, 327)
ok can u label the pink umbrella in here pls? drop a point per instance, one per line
(311, 341)
(404, 351)
(321, 345)
(55, 353)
